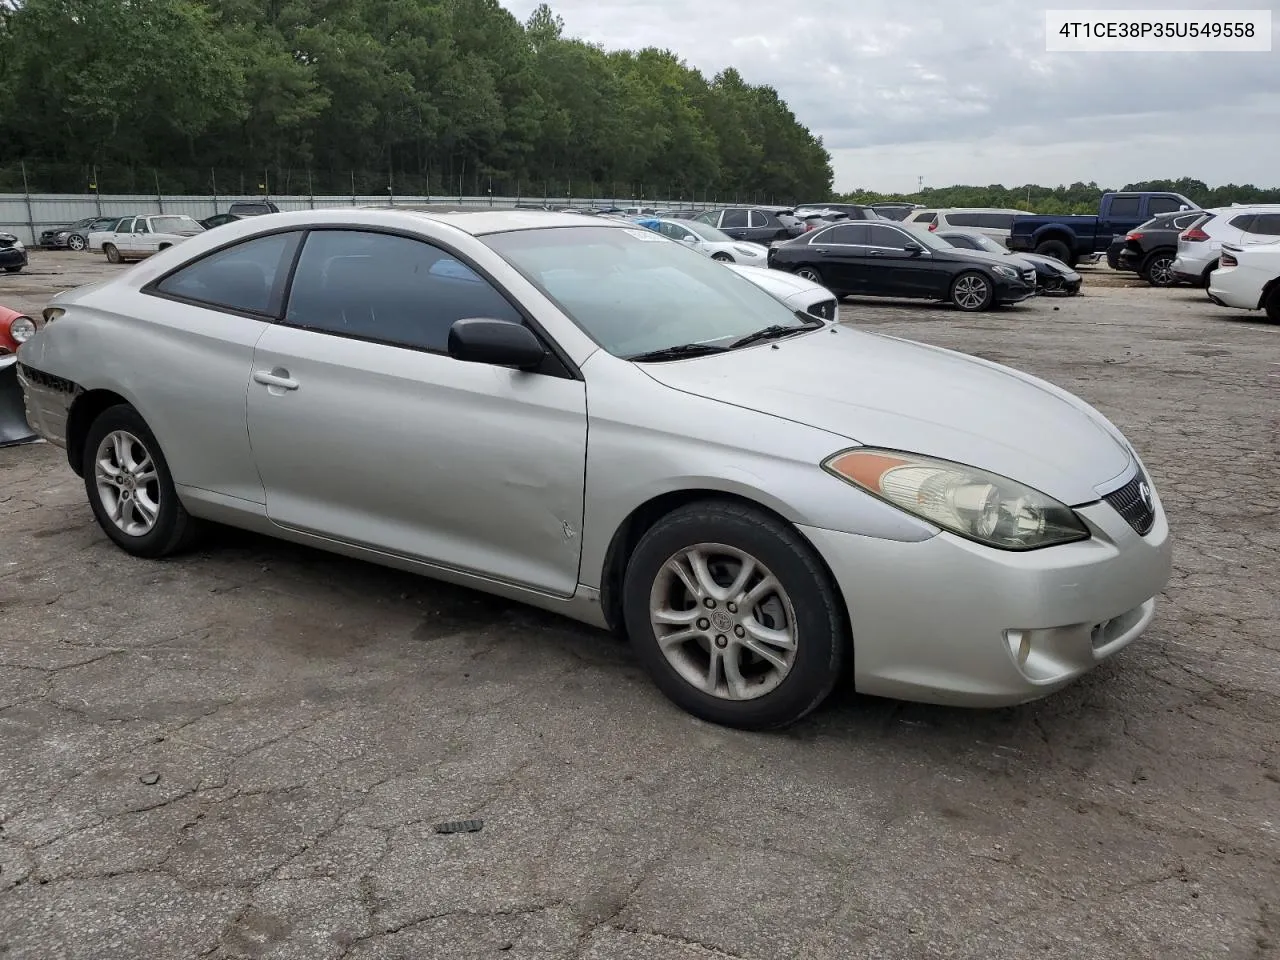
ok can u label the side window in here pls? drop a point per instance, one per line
(142, 226)
(887, 237)
(733, 218)
(672, 231)
(1186, 220)
(925, 218)
(1243, 222)
(846, 234)
(708, 218)
(1125, 206)
(1267, 225)
(965, 220)
(248, 277)
(1158, 205)
(391, 289)
(125, 225)
(996, 221)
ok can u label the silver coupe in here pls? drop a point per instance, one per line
(595, 419)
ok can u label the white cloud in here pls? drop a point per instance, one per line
(965, 92)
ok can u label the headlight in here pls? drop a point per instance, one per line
(19, 245)
(22, 329)
(972, 503)
(750, 251)
(1007, 272)
(62, 235)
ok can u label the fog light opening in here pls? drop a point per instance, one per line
(1019, 645)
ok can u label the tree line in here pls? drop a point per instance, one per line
(414, 96)
(1076, 198)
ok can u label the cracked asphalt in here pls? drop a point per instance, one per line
(243, 752)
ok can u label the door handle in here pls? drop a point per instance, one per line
(275, 378)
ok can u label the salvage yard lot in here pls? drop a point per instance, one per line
(243, 752)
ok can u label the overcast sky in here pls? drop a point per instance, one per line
(964, 92)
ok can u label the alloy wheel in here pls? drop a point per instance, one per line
(1161, 272)
(971, 292)
(810, 274)
(75, 242)
(723, 621)
(128, 483)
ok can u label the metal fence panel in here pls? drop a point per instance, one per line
(26, 216)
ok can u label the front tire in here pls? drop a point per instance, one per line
(972, 292)
(129, 485)
(722, 257)
(76, 243)
(734, 616)
(17, 269)
(112, 252)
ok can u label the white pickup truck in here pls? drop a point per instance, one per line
(135, 238)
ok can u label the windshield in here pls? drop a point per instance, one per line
(634, 291)
(174, 225)
(708, 232)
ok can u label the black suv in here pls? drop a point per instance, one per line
(757, 224)
(1150, 249)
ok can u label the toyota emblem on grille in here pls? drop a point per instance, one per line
(1144, 492)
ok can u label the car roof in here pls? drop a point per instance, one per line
(477, 222)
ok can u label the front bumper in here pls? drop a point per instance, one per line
(1013, 291)
(943, 620)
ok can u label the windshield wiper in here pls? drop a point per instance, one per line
(678, 352)
(776, 331)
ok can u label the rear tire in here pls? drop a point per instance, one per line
(1056, 249)
(1272, 305)
(708, 665)
(811, 274)
(113, 254)
(130, 488)
(1207, 276)
(17, 269)
(1157, 269)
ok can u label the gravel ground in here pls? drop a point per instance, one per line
(243, 752)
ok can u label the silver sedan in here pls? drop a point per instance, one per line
(595, 419)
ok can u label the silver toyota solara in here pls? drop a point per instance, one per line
(591, 418)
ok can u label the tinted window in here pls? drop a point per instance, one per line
(140, 226)
(1163, 205)
(965, 219)
(1243, 222)
(887, 237)
(247, 277)
(1186, 220)
(1267, 224)
(673, 231)
(959, 240)
(849, 234)
(1126, 206)
(924, 218)
(734, 218)
(996, 221)
(708, 218)
(125, 225)
(393, 289)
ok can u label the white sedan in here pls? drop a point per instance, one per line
(1248, 277)
(136, 238)
(709, 241)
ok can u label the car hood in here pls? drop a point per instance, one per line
(884, 392)
(1039, 260)
(778, 282)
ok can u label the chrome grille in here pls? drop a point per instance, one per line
(1029, 276)
(1134, 502)
(826, 309)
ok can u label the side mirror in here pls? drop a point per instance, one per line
(501, 343)
(913, 248)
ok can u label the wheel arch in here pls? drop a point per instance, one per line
(86, 408)
(640, 520)
(1268, 288)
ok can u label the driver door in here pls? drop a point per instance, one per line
(366, 431)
